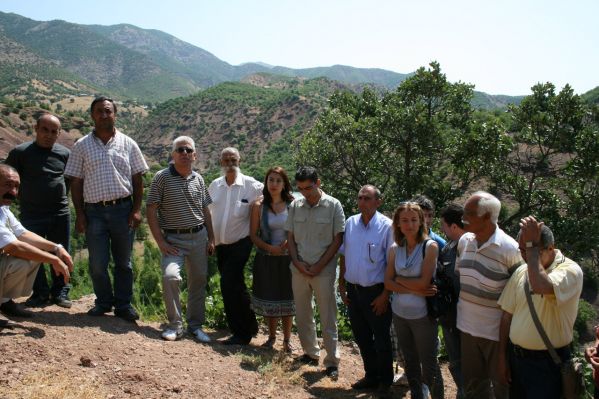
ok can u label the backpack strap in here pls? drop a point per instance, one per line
(424, 245)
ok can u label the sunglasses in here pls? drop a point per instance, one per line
(187, 150)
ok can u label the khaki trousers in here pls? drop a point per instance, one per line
(16, 276)
(323, 288)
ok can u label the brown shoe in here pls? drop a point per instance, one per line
(11, 308)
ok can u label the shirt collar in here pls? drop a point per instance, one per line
(559, 258)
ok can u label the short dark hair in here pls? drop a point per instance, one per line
(452, 214)
(425, 203)
(102, 99)
(304, 173)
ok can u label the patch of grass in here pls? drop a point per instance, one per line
(54, 384)
(274, 366)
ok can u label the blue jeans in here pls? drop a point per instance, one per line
(372, 332)
(108, 232)
(56, 229)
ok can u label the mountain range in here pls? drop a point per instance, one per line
(145, 64)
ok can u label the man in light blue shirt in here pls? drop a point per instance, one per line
(368, 236)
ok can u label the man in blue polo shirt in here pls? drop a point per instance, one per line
(368, 236)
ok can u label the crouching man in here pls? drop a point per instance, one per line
(22, 251)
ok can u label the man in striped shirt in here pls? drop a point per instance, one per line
(487, 258)
(180, 221)
(105, 168)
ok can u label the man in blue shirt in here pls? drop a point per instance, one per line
(368, 236)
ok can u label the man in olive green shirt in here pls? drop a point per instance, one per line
(315, 226)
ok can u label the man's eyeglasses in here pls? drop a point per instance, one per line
(187, 150)
(310, 187)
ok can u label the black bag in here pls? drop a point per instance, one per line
(442, 302)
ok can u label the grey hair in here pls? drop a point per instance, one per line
(377, 192)
(182, 139)
(488, 203)
(547, 238)
(230, 150)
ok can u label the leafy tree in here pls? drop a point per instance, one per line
(410, 141)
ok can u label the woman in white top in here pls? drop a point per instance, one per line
(410, 267)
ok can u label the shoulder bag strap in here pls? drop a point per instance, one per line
(535, 318)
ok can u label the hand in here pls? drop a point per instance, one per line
(80, 223)
(65, 257)
(303, 268)
(210, 247)
(275, 250)
(503, 369)
(61, 269)
(530, 229)
(315, 269)
(168, 249)
(431, 290)
(343, 294)
(380, 304)
(134, 219)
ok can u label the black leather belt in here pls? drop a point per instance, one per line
(537, 354)
(357, 287)
(110, 202)
(188, 230)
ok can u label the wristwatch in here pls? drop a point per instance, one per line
(56, 248)
(531, 244)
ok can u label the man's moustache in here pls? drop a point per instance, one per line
(9, 196)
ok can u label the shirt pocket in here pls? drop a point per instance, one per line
(374, 253)
(242, 210)
(324, 226)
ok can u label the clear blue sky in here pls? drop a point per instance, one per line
(503, 47)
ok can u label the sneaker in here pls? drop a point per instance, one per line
(36, 301)
(62, 299)
(11, 308)
(201, 336)
(127, 313)
(171, 334)
(332, 372)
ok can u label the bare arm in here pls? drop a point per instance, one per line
(328, 254)
(165, 247)
(537, 277)
(255, 228)
(211, 248)
(26, 248)
(77, 195)
(138, 190)
(429, 263)
(504, 334)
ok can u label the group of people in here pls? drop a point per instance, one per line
(386, 265)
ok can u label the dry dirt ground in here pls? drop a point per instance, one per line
(63, 353)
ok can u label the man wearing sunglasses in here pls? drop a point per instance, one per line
(179, 218)
(232, 195)
(106, 168)
(315, 226)
(368, 236)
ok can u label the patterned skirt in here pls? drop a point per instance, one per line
(272, 295)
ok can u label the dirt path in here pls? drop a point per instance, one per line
(62, 353)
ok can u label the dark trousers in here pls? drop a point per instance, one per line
(231, 260)
(452, 338)
(371, 332)
(56, 229)
(534, 374)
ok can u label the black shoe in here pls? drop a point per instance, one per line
(235, 340)
(62, 299)
(36, 301)
(6, 323)
(127, 313)
(365, 383)
(98, 311)
(10, 308)
(307, 359)
(332, 372)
